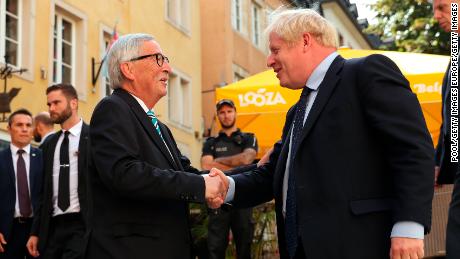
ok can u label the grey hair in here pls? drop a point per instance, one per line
(290, 24)
(125, 48)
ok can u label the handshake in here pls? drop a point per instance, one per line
(216, 188)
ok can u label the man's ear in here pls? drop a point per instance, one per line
(306, 40)
(127, 70)
(74, 104)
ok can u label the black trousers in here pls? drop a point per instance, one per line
(67, 237)
(453, 223)
(240, 222)
(16, 243)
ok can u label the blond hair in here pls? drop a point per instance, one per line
(290, 24)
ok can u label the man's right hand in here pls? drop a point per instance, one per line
(32, 245)
(216, 188)
(2, 243)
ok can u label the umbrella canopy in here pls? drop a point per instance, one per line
(262, 103)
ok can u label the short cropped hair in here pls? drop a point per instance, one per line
(67, 89)
(44, 118)
(290, 24)
(20, 111)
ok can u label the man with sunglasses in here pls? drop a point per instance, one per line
(142, 183)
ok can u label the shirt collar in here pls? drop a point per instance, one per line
(222, 133)
(14, 149)
(76, 129)
(141, 103)
(320, 71)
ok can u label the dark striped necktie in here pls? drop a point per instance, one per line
(25, 206)
(154, 120)
(291, 206)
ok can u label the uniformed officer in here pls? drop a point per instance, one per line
(231, 148)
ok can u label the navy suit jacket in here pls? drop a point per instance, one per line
(8, 186)
(365, 161)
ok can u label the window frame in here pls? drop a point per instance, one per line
(59, 62)
(104, 83)
(237, 15)
(182, 20)
(255, 25)
(184, 111)
(3, 15)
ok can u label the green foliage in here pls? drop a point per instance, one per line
(408, 25)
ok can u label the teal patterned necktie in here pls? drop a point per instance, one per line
(154, 122)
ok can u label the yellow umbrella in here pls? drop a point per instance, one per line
(262, 103)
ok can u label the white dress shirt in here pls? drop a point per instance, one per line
(26, 157)
(74, 140)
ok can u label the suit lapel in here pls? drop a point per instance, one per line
(145, 122)
(82, 143)
(49, 150)
(171, 146)
(281, 165)
(325, 90)
(33, 168)
(9, 164)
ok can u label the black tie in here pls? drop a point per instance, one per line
(64, 169)
(25, 207)
(291, 210)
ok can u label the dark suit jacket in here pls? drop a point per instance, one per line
(364, 162)
(8, 186)
(442, 153)
(141, 193)
(41, 223)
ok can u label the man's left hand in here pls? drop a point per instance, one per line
(406, 248)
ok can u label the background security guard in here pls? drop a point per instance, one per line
(231, 148)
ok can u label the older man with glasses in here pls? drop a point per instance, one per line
(142, 183)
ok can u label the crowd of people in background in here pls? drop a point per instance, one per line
(352, 175)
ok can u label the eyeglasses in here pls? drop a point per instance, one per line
(158, 56)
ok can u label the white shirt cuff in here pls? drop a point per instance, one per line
(231, 190)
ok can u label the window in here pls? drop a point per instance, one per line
(239, 73)
(5, 140)
(237, 77)
(105, 82)
(179, 101)
(268, 15)
(237, 20)
(256, 24)
(63, 50)
(17, 23)
(10, 24)
(69, 61)
(178, 13)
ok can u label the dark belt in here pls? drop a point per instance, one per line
(22, 220)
